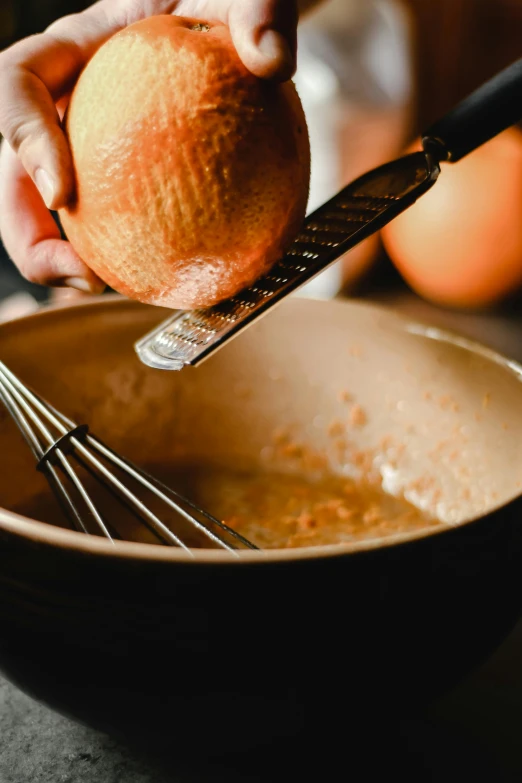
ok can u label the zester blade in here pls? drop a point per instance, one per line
(356, 212)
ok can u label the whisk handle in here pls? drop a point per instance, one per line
(492, 108)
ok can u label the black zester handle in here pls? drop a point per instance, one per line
(355, 213)
(478, 118)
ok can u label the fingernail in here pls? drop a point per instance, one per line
(274, 46)
(87, 286)
(45, 185)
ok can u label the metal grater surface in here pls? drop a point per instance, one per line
(358, 211)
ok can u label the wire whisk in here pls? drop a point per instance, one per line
(59, 445)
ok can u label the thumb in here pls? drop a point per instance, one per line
(265, 36)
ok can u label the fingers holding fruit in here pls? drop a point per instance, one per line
(192, 174)
(37, 72)
(34, 75)
(265, 36)
(31, 236)
(35, 161)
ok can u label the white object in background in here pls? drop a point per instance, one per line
(354, 79)
(17, 305)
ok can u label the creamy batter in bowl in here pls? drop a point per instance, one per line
(326, 399)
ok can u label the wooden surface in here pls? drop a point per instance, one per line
(458, 45)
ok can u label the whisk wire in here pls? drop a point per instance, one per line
(68, 428)
(157, 525)
(163, 491)
(52, 475)
(33, 416)
(13, 395)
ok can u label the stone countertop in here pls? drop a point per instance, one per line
(473, 733)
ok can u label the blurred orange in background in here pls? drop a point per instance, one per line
(460, 245)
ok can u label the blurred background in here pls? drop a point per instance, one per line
(372, 74)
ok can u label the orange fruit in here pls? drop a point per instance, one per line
(192, 175)
(460, 245)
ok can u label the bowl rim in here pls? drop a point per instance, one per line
(64, 539)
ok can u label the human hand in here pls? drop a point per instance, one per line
(36, 78)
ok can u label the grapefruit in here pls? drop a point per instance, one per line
(192, 174)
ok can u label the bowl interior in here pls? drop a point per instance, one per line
(433, 417)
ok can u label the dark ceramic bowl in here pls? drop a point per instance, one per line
(219, 652)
